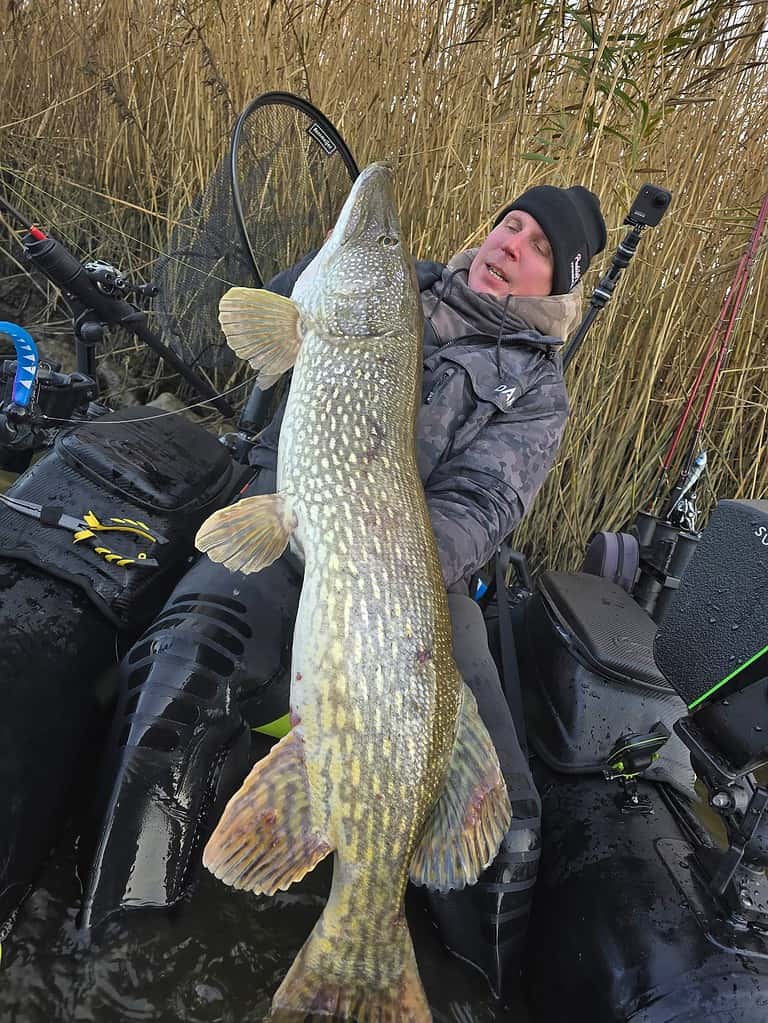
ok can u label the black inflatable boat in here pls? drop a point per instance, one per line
(639, 912)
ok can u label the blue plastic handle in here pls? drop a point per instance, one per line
(27, 360)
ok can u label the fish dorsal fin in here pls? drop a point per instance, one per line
(265, 839)
(249, 535)
(262, 328)
(472, 814)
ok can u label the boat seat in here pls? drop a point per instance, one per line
(611, 630)
(589, 678)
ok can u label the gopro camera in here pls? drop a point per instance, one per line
(649, 206)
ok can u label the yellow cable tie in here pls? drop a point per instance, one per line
(134, 522)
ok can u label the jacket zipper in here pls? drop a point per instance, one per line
(485, 340)
(446, 375)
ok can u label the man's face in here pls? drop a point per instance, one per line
(515, 259)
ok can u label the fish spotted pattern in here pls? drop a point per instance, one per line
(388, 764)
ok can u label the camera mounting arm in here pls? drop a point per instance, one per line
(647, 210)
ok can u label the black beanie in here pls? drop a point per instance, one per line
(573, 224)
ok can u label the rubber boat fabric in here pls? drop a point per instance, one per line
(62, 604)
(624, 917)
(213, 664)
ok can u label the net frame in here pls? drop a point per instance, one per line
(270, 201)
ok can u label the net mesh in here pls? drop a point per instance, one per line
(293, 181)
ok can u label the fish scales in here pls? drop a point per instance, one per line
(387, 764)
(375, 485)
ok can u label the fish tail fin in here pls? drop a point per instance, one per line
(324, 980)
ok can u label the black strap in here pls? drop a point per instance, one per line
(510, 670)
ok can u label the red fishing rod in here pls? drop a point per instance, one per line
(668, 541)
(692, 464)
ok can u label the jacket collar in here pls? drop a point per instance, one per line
(553, 315)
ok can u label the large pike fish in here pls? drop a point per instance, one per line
(388, 765)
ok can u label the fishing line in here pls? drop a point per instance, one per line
(160, 415)
(113, 230)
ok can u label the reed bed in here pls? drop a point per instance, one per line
(114, 114)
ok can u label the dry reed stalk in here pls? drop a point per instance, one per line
(474, 102)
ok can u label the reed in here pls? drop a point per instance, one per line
(113, 115)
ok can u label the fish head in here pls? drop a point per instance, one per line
(362, 283)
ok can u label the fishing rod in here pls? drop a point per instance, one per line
(668, 540)
(693, 465)
(96, 293)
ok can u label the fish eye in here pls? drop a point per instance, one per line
(388, 239)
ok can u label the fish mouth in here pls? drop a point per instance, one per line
(369, 210)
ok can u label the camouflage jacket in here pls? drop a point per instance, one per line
(493, 413)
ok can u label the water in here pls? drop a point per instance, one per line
(216, 959)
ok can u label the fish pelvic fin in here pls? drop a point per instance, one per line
(265, 839)
(262, 328)
(472, 815)
(325, 982)
(249, 535)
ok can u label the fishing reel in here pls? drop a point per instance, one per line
(111, 281)
(35, 399)
(97, 294)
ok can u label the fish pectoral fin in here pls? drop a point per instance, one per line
(262, 328)
(472, 814)
(265, 839)
(265, 380)
(249, 535)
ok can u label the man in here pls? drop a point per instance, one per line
(494, 407)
